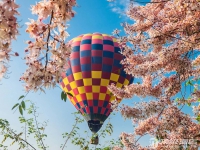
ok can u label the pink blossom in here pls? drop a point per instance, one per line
(47, 54)
(161, 50)
(146, 126)
(8, 32)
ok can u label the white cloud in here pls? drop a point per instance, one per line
(120, 6)
(117, 10)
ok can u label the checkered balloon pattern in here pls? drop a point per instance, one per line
(93, 64)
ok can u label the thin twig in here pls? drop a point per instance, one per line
(25, 131)
(39, 134)
(140, 137)
(48, 37)
(70, 134)
(20, 138)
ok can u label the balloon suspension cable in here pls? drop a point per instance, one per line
(94, 139)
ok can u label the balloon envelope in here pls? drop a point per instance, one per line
(94, 64)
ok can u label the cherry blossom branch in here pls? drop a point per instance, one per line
(47, 74)
(8, 32)
(169, 35)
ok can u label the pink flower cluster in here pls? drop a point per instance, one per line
(129, 142)
(146, 126)
(143, 110)
(8, 32)
(161, 49)
(47, 53)
(178, 128)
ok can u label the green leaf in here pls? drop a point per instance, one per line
(21, 97)
(20, 110)
(106, 148)
(13, 142)
(22, 119)
(198, 118)
(15, 106)
(189, 83)
(65, 97)
(23, 105)
(189, 104)
(177, 99)
(62, 95)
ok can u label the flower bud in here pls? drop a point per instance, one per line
(16, 54)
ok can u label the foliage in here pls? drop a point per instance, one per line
(35, 129)
(31, 127)
(83, 142)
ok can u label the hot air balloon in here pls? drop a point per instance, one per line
(94, 63)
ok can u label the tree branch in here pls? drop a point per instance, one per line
(12, 132)
(70, 134)
(48, 37)
(39, 134)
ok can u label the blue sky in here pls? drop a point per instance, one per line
(91, 16)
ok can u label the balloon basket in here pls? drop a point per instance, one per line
(94, 140)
